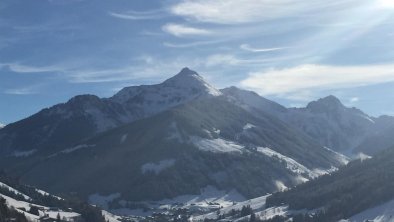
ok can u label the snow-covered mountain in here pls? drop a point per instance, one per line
(86, 115)
(178, 139)
(183, 87)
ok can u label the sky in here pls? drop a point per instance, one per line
(290, 51)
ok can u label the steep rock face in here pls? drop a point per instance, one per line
(86, 115)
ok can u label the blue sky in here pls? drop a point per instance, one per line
(291, 51)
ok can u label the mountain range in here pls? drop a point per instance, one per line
(179, 137)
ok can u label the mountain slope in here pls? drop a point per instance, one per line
(25, 203)
(181, 151)
(361, 185)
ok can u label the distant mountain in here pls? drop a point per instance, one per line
(331, 123)
(327, 120)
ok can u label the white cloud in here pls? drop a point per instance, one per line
(2, 125)
(182, 30)
(249, 48)
(307, 77)
(241, 11)
(354, 99)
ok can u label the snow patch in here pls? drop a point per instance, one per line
(218, 145)
(78, 147)
(368, 118)
(3, 185)
(382, 213)
(340, 157)
(291, 164)
(110, 217)
(248, 126)
(157, 167)
(210, 198)
(256, 204)
(18, 205)
(363, 156)
(47, 194)
(271, 212)
(23, 153)
(280, 185)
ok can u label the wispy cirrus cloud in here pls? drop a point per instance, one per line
(234, 60)
(29, 90)
(317, 77)
(239, 11)
(135, 15)
(180, 30)
(190, 44)
(249, 48)
(20, 68)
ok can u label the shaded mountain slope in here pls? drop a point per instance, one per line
(180, 151)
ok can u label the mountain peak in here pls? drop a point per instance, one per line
(330, 100)
(187, 71)
(184, 86)
(324, 104)
(186, 74)
(189, 79)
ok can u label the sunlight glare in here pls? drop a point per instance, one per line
(386, 3)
